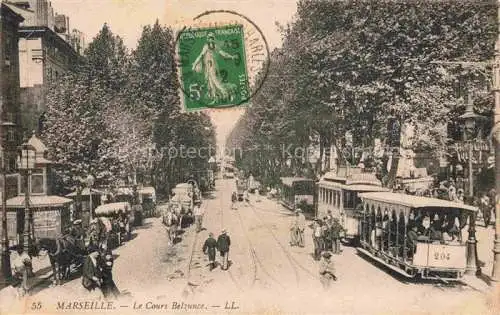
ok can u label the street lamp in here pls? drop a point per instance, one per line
(90, 182)
(6, 268)
(26, 163)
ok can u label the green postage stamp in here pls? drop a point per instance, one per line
(213, 67)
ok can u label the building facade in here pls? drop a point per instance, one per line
(47, 49)
(9, 85)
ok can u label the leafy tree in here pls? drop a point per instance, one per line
(350, 66)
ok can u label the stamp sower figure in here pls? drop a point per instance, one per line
(327, 270)
(198, 216)
(210, 248)
(223, 243)
(21, 270)
(91, 274)
(206, 63)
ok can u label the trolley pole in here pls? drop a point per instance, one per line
(495, 275)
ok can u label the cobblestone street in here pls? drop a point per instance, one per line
(262, 267)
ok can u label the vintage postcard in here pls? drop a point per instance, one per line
(250, 157)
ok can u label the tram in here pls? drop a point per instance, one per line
(298, 191)
(339, 194)
(415, 236)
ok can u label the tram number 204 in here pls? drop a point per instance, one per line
(441, 256)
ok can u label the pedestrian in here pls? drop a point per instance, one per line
(460, 196)
(325, 237)
(22, 269)
(294, 226)
(301, 225)
(234, 200)
(210, 248)
(317, 240)
(223, 244)
(198, 216)
(246, 197)
(485, 207)
(91, 274)
(328, 235)
(327, 270)
(105, 262)
(337, 230)
(329, 216)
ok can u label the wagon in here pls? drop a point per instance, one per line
(111, 212)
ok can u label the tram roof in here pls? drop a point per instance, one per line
(290, 180)
(353, 187)
(414, 201)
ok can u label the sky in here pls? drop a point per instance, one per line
(127, 17)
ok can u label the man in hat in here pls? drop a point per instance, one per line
(301, 226)
(317, 238)
(198, 216)
(21, 269)
(327, 270)
(294, 229)
(105, 263)
(223, 243)
(210, 248)
(91, 273)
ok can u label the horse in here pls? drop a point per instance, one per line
(63, 252)
(171, 221)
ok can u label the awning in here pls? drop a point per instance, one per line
(38, 201)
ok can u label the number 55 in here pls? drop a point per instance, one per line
(195, 91)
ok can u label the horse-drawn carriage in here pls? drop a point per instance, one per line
(112, 224)
(148, 196)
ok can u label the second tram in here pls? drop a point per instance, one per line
(339, 194)
(298, 192)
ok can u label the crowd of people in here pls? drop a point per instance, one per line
(326, 235)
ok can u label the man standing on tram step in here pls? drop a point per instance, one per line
(198, 216)
(327, 270)
(223, 243)
(301, 223)
(210, 249)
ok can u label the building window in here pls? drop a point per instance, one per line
(12, 164)
(10, 117)
(37, 182)
(37, 185)
(11, 136)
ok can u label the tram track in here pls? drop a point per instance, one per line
(292, 259)
(221, 211)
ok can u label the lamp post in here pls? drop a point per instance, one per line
(90, 182)
(26, 163)
(495, 275)
(6, 268)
